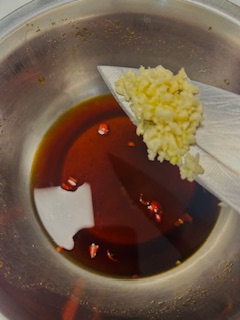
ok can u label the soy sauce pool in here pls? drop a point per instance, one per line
(128, 239)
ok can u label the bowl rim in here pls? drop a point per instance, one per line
(35, 8)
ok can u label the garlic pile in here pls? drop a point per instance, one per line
(168, 110)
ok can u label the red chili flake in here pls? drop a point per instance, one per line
(70, 185)
(111, 256)
(59, 249)
(154, 207)
(93, 248)
(158, 217)
(135, 276)
(66, 186)
(72, 181)
(184, 218)
(131, 144)
(103, 129)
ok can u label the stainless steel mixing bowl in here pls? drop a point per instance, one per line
(49, 51)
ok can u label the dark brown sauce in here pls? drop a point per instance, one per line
(131, 243)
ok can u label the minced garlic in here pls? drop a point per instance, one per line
(168, 110)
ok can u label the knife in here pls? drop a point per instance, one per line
(217, 141)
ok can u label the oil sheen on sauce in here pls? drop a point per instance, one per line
(146, 219)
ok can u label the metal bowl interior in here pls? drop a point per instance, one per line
(48, 64)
